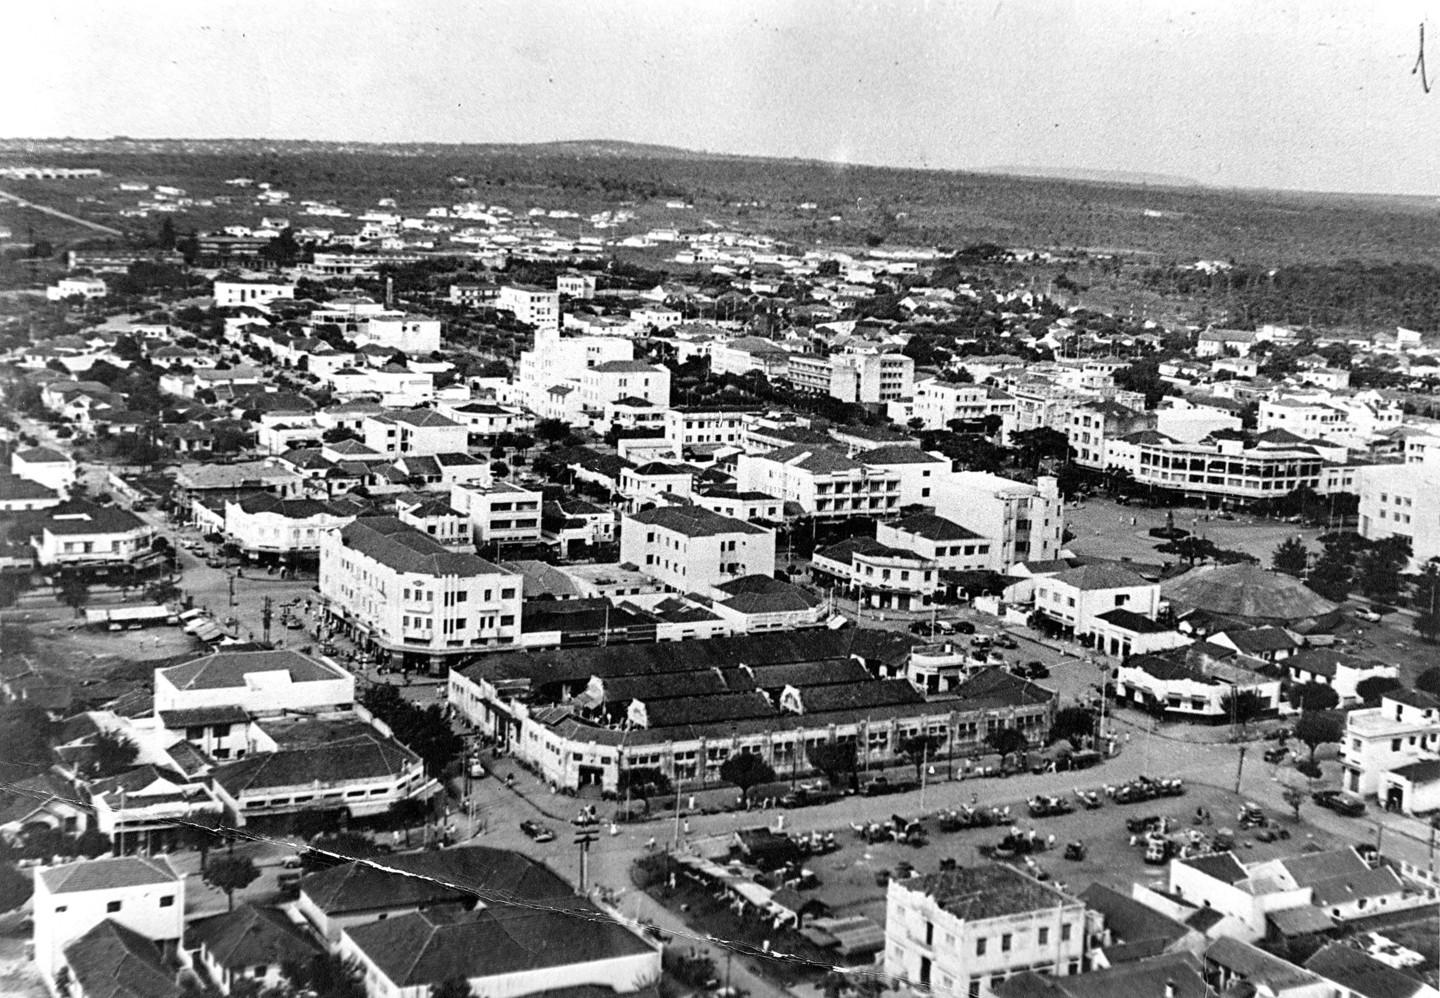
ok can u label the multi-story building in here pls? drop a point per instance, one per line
(1403, 730)
(920, 473)
(688, 426)
(854, 377)
(141, 894)
(436, 518)
(1402, 500)
(264, 526)
(1077, 597)
(1022, 522)
(252, 683)
(499, 513)
(1224, 465)
(576, 285)
(878, 575)
(613, 380)
(750, 353)
(740, 505)
(950, 546)
(936, 403)
(410, 334)
(44, 466)
(964, 931)
(692, 549)
(1092, 423)
(534, 306)
(560, 361)
(825, 483)
(414, 432)
(404, 593)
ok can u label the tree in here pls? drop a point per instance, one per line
(336, 848)
(1294, 797)
(1314, 696)
(1429, 681)
(1318, 727)
(1332, 575)
(111, 754)
(1192, 549)
(746, 770)
(1379, 569)
(1291, 557)
(920, 749)
(1372, 689)
(327, 976)
(837, 760)
(1427, 625)
(92, 842)
(1075, 724)
(452, 987)
(283, 250)
(409, 812)
(1242, 706)
(74, 592)
(552, 431)
(25, 732)
(1007, 741)
(230, 874)
(1034, 446)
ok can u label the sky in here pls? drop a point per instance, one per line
(1316, 95)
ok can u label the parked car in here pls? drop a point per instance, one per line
(1276, 754)
(1365, 613)
(1033, 670)
(537, 831)
(805, 797)
(1339, 802)
(1006, 641)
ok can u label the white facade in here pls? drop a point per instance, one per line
(1404, 729)
(278, 526)
(533, 306)
(935, 403)
(145, 895)
(414, 433)
(558, 361)
(230, 294)
(1024, 522)
(45, 467)
(411, 334)
(691, 549)
(688, 427)
(1402, 500)
(102, 535)
(618, 379)
(824, 483)
(1077, 597)
(500, 513)
(259, 683)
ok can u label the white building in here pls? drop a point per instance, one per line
(44, 466)
(878, 575)
(691, 549)
(558, 361)
(83, 535)
(1077, 597)
(825, 483)
(406, 594)
(232, 294)
(920, 474)
(1024, 522)
(1402, 500)
(259, 683)
(410, 334)
(1404, 729)
(534, 306)
(936, 403)
(265, 525)
(854, 377)
(499, 513)
(689, 426)
(613, 380)
(964, 931)
(950, 546)
(76, 287)
(144, 895)
(413, 433)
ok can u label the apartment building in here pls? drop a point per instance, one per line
(1022, 522)
(824, 483)
(854, 377)
(1402, 500)
(405, 594)
(750, 353)
(534, 306)
(687, 426)
(499, 513)
(560, 361)
(414, 433)
(612, 380)
(876, 574)
(692, 549)
(1090, 425)
(936, 403)
(951, 547)
(1224, 465)
(965, 931)
(920, 473)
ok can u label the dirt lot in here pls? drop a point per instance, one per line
(1103, 529)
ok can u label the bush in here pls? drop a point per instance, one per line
(1308, 768)
(15, 888)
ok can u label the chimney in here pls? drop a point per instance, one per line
(1169, 989)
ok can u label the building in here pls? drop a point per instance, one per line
(403, 593)
(965, 931)
(251, 944)
(750, 353)
(951, 547)
(45, 467)
(1185, 683)
(576, 285)
(111, 960)
(1403, 730)
(684, 707)
(1077, 597)
(76, 287)
(692, 549)
(534, 306)
(1356, 974)
(217, 689)
(866, 378)
(613, 380)
(687, 427)
(416, 335)
(1338, 670)
(1402, 500)
(266, 527)
(1090, 425)
(1023, 522)
(877, 575)
(82, 536)
(1224, 465)
(143, 895)
(233, 294)
(499, 513)
(824, 483)
(436, 518)
(414, 432)
(559, 361)
(937, 403)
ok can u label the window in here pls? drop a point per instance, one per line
(112, 906)
(1005, 942)
(1065, 935)
(980, 946)
(167, 900)
(974, 990)
(1043, 936)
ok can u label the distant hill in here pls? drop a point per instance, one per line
(1094, 176)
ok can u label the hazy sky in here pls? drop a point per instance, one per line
(1315, 95)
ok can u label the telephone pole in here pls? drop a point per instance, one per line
(1239, 768)
(584, 838)
(264, 618)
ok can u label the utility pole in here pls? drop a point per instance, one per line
(583, 838)
(264, 618)
(1240, 768)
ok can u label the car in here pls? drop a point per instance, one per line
(293, 623)
(477, 769)
(1276, 754)
(1006, 641)
(1339, 802)
(1365, 613)
(290, 862)
(1033, 670)
(214, 563)
(537, 831)
(924, 629)
(804, 797)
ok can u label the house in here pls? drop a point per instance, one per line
(40, 800)
(919, 473)
(964, 931)
(21, 495)
(249, 943)
(143, 895)
(1233, 961)
(76, 287)
(82, 535)
(46, 467)
(232, 294)
(612, 380)
(690, 548)
(405, 594)
(1171, 975)
(1134, 931)
(1356, 974)
(1338, 670)
(113, 961)
(1186, 683)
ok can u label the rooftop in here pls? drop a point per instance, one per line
(405, 549)
(225, 670)
(694, 521)
(108, 874)
(994, 890)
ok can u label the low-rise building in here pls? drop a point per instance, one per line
(1404, 729)
(266, 527)
(46, 467)
(81, 536)
(692, 549)
(499, 513)
(249, 944)
(876, 574)
(1340, 671)
(965, 931)
(255, 683)
(232, 294)
(1076, 597)
(411, 432)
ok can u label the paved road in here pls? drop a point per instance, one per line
(56, 213)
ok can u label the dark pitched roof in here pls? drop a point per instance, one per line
(694, 521)
(104, 874)
(79, 517)
(1222, 866)
(1138, 979)
(354, 756)
(1128, 920)
(1361, 973)
(111, 961)
(251, 936)
(1137, 623)
(405, 549)
(993, 890)
(934, 528)
(227, 669)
